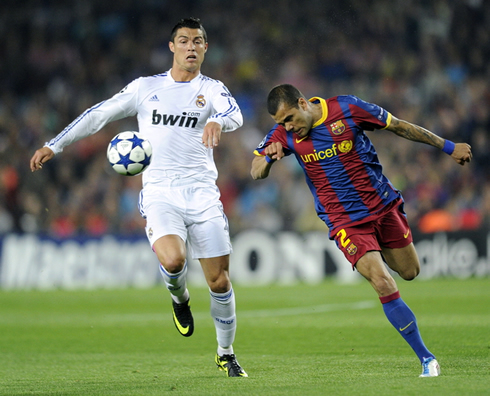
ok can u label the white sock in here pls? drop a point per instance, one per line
(176, 284)
(223, 314)
(225, 351)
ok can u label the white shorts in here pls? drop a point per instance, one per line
(193, 212)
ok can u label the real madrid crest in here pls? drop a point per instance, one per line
(200, 101)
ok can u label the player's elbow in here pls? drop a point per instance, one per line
(255, 175)
(258, 173)
(260, 168)
(239, 120)
(236, 121)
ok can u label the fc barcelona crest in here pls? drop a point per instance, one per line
(351, 249)
(337, 127)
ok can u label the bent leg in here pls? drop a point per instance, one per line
(171, 252)
(371, 266)
(404, 261)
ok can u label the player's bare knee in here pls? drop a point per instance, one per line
(172, 265)
(220, 284)
(410, 274)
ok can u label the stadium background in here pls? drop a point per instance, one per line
(426, 62)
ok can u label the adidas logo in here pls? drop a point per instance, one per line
(154, 98)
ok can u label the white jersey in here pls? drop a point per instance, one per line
(172, 116)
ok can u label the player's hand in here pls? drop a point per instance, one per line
(274, 151)
(40, 157)
(211, 135)
(462, 153)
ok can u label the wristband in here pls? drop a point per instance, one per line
(269, 160)
(448, 147)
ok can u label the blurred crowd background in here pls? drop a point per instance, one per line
(424, 61)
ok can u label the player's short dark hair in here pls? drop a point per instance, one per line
(191, 23)
(286, 94)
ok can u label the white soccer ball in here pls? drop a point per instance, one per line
(129, 153)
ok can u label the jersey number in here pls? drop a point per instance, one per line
(344, 242)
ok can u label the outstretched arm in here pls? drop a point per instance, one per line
(460, 152)
(89, 122)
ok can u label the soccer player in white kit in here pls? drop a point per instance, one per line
(182, 113)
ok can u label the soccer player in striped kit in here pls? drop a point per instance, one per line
(363, 211)
(182, 113)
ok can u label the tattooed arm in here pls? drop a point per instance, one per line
(461, 152)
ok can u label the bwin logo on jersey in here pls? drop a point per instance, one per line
(174, 120)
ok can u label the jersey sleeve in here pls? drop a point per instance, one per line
(276, 134)
(368, 116)
(121, 105)
(227, 112)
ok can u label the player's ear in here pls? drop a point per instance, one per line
(302, 103)
(171, 46)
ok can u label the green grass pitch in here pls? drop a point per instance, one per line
(326, 339)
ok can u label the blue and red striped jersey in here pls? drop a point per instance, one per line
(339, 161)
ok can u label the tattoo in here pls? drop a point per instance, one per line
(415, 133)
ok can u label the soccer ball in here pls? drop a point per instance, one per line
(129, 153)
